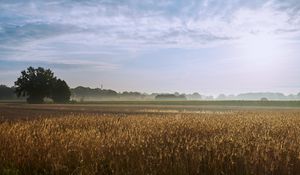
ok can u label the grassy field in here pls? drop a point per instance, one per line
(148, 139)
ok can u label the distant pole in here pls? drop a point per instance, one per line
(101, 86)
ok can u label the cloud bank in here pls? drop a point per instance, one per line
(105, 34)
(56, 27)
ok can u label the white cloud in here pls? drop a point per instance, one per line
(201, 41)
(137, 26)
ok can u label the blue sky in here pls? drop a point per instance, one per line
(206, 46)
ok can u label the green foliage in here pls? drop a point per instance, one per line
(61, 92)
(36, 84)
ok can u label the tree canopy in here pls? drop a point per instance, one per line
(36, 84)
(61, 92)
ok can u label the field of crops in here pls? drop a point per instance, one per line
(184, 142)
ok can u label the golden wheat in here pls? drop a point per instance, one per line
(243, 142)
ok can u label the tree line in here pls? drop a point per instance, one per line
(36, 84)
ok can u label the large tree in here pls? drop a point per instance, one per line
(36, 84)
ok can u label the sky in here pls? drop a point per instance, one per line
(205, 46)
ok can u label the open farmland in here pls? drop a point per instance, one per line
(148, 139)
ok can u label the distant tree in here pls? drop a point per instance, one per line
(132, 95)
(170, 97)
(86, 92)
(209, 97)
(60, 92)
(35, 84)
(194, 96)
(221, 97)
(264, 99)
(6, 93)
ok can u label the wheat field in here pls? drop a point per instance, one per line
(236, 142)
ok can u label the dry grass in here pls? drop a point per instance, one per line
(253, 142)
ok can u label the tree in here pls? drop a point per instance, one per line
(35, 84)
(170, 97)
(221, 97)
(196, 95)
(264, 99)
(61, 92)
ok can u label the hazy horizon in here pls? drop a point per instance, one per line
(206, 46)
